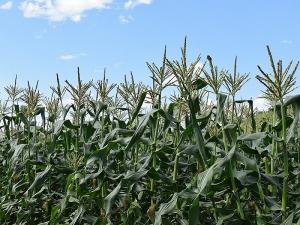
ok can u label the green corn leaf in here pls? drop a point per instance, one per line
(78, 215)
(138, 107)
(39, 179)
(199, 84)
(194, 212)
(289, 220)
(110, 199)
(165, 209)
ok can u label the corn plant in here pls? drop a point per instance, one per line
(233, 83)
(278, 87)
(132, 153)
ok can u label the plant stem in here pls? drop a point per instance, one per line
(273, 152)
(233, 185)
(233, 108)
(285, 161)
(154, 145)
(153, 153)
(177, 147)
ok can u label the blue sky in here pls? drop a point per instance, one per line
(41, 38)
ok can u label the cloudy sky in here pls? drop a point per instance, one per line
(39, 38)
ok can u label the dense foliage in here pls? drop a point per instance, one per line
(134, 154)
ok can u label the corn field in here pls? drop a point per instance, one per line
(182, 150)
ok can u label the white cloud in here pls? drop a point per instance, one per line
(125, 19)
(71, 56)
(118, 64)
(130, 4)
(7, 5)
(260, 104)
(67, 57)
(59, 10)
(287, 42)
